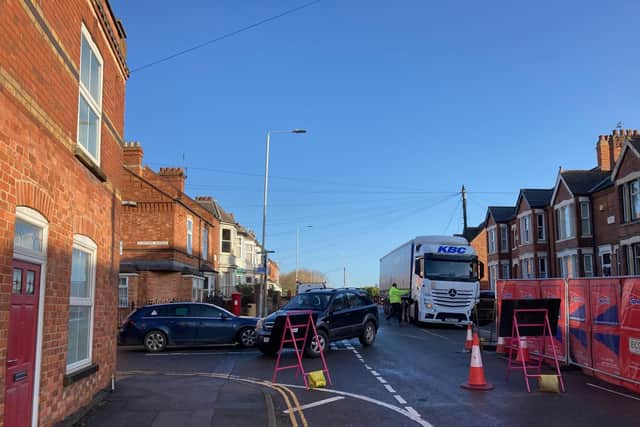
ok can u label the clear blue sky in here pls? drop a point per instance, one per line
(404, 102)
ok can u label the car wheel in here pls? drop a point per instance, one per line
(316, 346)
(155, 341)
(369, 334)
(247, 337)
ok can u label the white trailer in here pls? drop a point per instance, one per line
(442, 275)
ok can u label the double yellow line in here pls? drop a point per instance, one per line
(287, 394)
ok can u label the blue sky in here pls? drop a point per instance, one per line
(404, 102)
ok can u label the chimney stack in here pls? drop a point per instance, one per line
(132, 156)
(609, 147)
(174, 177)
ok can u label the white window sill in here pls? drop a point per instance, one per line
(565, 239)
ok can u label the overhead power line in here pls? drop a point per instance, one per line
(224, 36)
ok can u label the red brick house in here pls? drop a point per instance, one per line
(168, 239)
(616, 208)
(497, 226)
(530, 248)
(588, 225)
(62, 91)
(477, 238)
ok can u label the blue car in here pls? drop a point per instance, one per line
(157, 326)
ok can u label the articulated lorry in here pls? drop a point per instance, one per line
(441, 274)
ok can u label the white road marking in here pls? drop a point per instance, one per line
(375, 373)
(389, 388)
(400, 399)
(613, 391)
(368, 367)
(218, 353)
(412, 411)
(418, 420)
(382, 380)
(314, 404)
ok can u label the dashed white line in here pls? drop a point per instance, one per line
(389, 388)
(368, 367)
(382, 380)
(375, 373)
(400, 399)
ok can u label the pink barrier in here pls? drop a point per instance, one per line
(555, 289)
(604, 323)
(604, 296)
(630, 332)
(579, 322)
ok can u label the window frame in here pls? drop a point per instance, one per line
(492, 241)
(204, 244)
(586, 218)
(541, 227)
(505, 271)
(514, 233)
(504, 238)
(589, 272)
(85, 93)
(227, 241)
(85, 244)
(126, 286)
(197, 288)
(543, 270)
(565, 227)
(525, 230)
(603, 265)
(190, 235)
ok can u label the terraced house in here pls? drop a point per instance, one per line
(63, 73)
(169, 240)
(587, 225)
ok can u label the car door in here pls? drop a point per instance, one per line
(214, 326)
(180, 323)
(339, 323)
(358, 312)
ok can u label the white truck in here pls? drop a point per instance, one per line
(442, 275)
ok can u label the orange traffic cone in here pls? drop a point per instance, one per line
(523, 351)
(476, 381)
(469, 341)
(500, 346)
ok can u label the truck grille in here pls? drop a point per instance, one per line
(442, 298)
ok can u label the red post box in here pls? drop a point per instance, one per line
(236, 303)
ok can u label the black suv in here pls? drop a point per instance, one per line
(339, 314)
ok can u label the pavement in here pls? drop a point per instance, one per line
(410, 376)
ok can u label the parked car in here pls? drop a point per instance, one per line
(486, 308)
(158, 326)
(338, 314)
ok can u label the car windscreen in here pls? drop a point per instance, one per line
(309, 301)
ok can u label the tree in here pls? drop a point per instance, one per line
(288, 280)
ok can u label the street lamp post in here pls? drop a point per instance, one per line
(263, 298)
(298, 247)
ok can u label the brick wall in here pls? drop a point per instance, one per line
(39, 61)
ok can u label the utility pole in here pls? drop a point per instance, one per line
(464, 209)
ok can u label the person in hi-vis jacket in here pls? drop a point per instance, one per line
(395, 299)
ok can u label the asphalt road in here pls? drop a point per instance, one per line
(410, 376)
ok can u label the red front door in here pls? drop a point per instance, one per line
(21, 351)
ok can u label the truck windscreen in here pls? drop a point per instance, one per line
(457, 269)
